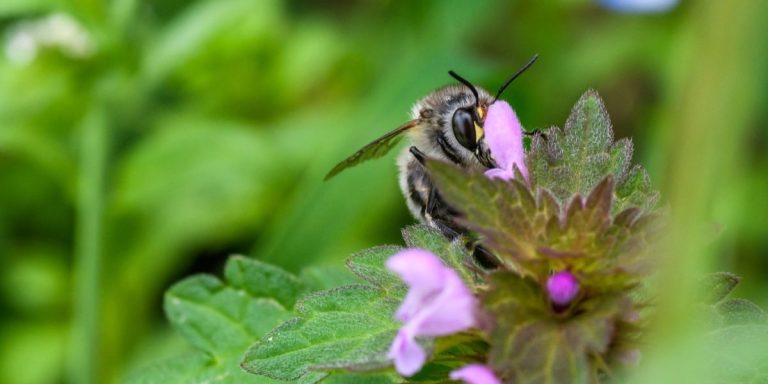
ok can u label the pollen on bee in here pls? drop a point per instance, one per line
(479, 132)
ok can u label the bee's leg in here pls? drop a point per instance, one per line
(484, 257)
(432, 202)
(430, 208)
(418, 155)
(436, 214)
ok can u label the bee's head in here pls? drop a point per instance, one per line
(467, 120)
(467, 123)
(454, 117)
(467, 127)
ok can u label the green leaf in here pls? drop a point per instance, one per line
(741, 311)
(320, 277)
(260, 279)
(10, 8)
(191, 368)
(738, 354)
(453, 253)
(212, 163)
(636, 191)
(504, 213)
(362, 378)
(190, 32)
(222, 318)
(349, 327)
(530, 344)
(450, 353)
(369, 266)
(534, 235)
(718, 285)
(189, 185)
(575, 159)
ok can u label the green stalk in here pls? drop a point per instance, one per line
(88, 249)
(708, 115)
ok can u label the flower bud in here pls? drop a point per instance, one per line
(562, 288)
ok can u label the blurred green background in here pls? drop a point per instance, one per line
(141, 142)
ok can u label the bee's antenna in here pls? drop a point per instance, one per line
(519, 71)
(468, 84)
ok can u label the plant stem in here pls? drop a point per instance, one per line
(708, 115)
(88, 249)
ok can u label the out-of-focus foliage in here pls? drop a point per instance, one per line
(179, 132)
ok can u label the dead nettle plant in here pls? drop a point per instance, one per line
(572, 225)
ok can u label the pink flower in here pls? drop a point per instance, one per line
(475, 374)
(438, 303)
(504, 136)
(562, 288)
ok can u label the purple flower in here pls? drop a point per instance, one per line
(475, 374)
(562, 288)
(438, 303)
(639, 6)
(504, 136)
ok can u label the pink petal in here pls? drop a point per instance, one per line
(418, 268)
(475, 374)
(453, 310)
(504, 136)
(438, 303)
(408, 355)
(423, 272)
(498, 173)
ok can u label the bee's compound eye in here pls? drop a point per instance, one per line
(464, 128)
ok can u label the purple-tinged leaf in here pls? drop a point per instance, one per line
(575, 159)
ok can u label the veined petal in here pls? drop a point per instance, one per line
(475, 374)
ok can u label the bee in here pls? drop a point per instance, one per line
(447, 125)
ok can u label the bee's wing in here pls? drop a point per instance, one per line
(374, 149)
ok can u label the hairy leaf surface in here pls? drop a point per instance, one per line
(531, 345)
(221, 319)
(348, 327)
(573, 160)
